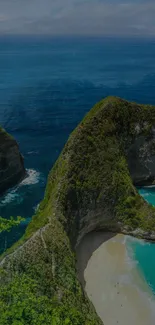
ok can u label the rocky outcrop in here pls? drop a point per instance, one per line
(91, 187)
(12, 168)
(141, 159)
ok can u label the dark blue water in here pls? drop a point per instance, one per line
(47, 86)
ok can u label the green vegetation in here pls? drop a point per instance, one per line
(23, 303)
(89, 187)
(44, 290)
(4, 136)
(93, 166)
(7, 224)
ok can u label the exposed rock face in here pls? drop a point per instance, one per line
(141, 159)
(11, 162)
(91, 188)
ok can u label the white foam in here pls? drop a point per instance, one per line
(146, 194)
(32, 152)
(149, 186)
(31, 179)
(128, 279)
(130, 259)
(133, 263)
(130, 239)
(9, 197)
(35, 208)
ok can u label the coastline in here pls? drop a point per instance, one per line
(112, 281)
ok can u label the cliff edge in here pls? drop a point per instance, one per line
(11, 162)
(91, 187)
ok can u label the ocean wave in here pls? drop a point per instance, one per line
(143, 286)
(9, 197)
(135, 277)
(130, 241)
(32, 152)
(32, 178)
(36, 207)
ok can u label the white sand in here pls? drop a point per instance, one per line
(113, 284)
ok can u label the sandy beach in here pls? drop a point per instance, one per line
(116, 288)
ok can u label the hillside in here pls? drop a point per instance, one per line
(91, 187)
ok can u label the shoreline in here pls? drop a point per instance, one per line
(113, 282)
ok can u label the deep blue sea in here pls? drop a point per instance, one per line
(46, 86)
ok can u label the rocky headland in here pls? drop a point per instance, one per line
(12, 169)
(92, 186)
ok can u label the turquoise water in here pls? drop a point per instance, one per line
(148, 194)
(144, 252)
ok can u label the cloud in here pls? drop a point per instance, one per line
(86, 17)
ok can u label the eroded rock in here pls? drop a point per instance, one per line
(12, 168)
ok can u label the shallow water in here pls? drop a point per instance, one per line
(148, 194)
(113, 279)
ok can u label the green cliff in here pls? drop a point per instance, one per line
(91, 187)
(12, 168)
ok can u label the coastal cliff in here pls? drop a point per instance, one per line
(91, 187)
(11, 162)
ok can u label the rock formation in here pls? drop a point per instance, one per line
(11, 162)
(91, 187)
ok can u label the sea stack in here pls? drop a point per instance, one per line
(12, 168)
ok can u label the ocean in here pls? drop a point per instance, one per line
(47, 85)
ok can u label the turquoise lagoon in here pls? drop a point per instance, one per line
(141, 251)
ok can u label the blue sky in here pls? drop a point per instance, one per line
(78, 17)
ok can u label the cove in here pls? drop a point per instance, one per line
(118, 275)
(113, 279)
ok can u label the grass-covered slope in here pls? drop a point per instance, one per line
(90, 187)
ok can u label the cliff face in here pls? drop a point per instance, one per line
(141, 159)
(91, 185)
(11, 162)
(90, 188)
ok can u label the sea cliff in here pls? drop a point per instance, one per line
(91, 187)
(12, 168)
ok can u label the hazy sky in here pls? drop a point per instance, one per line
(86, 17)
